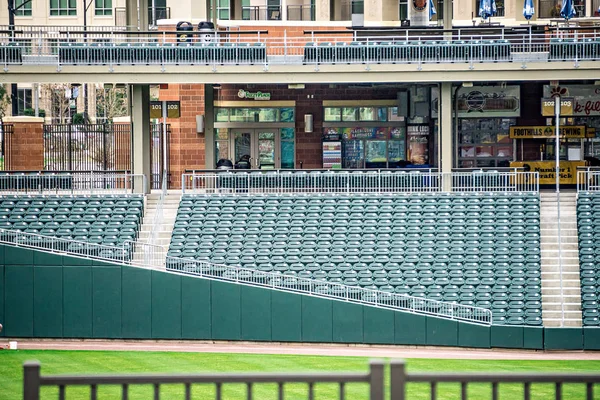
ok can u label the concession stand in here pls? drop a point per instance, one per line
(534, 149)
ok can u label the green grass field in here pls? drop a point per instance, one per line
(82, 362)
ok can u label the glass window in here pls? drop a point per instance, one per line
(242, 115)
(103, 7)
(287, 134)
(333, 114)
(63, 7)
(23, 10)
(396, 151)
(392, 113)
(222, 115)
(24, 98)
(367, 114)
(376, 154)
(287, 114)
(349, 113)
(403, 10)
(267, 115)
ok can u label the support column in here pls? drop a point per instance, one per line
(445, 133)
(141, 149)
(448, 6)
(144, 20)
(131, 14)
(209, 123)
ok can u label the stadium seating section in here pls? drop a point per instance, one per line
(103, 220)
(475, 249)
(588, 222)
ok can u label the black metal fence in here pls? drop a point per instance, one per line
(6, 134)
(158, 158)
(92, 147)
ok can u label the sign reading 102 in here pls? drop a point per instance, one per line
(156, 109)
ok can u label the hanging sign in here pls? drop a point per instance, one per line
(566, 106)
(173, 109)
(547, 132)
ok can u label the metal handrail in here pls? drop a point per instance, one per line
(322, 288)
(91, 182)
(588, 180)
(350, 181)
(158, 217)
(244, 276)
(167, 48)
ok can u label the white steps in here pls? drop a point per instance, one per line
(560, 265)
(164, 229)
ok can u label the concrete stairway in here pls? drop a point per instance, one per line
(165, 230)
(552, 301)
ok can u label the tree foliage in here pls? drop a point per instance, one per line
(4, 101)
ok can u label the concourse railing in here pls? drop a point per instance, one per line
(219, 47)
(289, 283)
(588, 179)
(71, 182)
(212, 182)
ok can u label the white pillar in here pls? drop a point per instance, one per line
(141, 138)
(445, 132)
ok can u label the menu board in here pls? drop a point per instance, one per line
(418, 144)
(332, 155)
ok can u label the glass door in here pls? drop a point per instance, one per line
(256, 148)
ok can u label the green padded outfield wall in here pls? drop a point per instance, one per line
(52, 296)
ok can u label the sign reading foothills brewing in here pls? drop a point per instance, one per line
(156, 109)
(547, 132)
(244, 94)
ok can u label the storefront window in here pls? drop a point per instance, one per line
(268, 115)
(243, 115)
(349, 113)
(333, 114)
(485, 142)
(287, 148)
(222, 115)
(392, 114)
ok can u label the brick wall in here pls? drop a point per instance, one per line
(25, 147)
(186, 147)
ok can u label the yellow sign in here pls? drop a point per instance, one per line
(566, 106)
(156, 109)
(547, 132)
(547, 170)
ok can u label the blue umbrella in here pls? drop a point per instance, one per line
(487, 8)
(528, 9)
(568, 9)
(432, 10)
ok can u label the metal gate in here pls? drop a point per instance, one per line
(88, 147)
(6, 134)
(158, 159)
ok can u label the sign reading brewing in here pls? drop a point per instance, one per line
(566, 106)
(545, 132)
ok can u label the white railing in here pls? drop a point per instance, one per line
(465, 45)
(102, 182)
(158, 216)
(67, 246)
(288, 283)
(588, 180)
(322, 288)
(495, 181)
(146, 254)
(349, 181)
